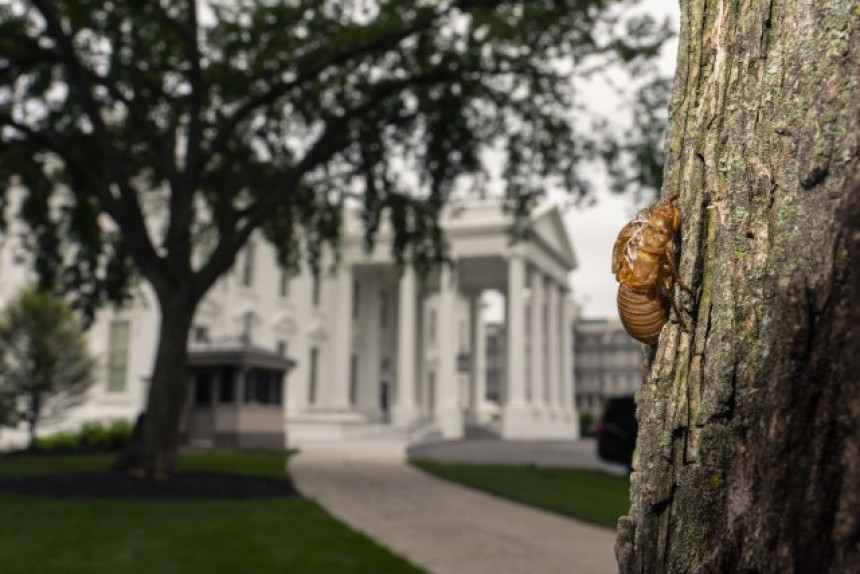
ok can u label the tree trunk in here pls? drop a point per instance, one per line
(167, 391)
(748, 457)
(155, 444)
(33, 420)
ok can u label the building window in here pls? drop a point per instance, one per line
(356, 298)
(312, 390)
(263, 387)
(247, 326)
(226, 386)
(202, 390)
(383, 309)
(117, 357)
(431, 327)
(353, 380)
(431, 392)
(284, 287)
(315, 290)
(248, 266)
(201, 334)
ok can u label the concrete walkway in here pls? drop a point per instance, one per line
(445, 528)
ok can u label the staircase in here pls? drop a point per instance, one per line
(353, 431)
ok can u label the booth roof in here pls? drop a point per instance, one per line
(236, 351)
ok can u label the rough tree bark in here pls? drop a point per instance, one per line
(749, 448)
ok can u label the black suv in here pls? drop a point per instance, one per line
(616, 431)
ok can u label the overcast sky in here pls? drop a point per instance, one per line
(594, 229)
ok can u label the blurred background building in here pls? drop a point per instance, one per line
(376, 351)
(607, 363)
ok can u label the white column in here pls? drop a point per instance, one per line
(538, 373)
(449, 414)
(420, 352)
(553, 366)
(405, 409)
(568, 381)
(334, 392)
(516, 416)
(478, 388)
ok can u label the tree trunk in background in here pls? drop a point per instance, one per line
(749, 427)
(168, 389)
(33, 420)
(154, 446)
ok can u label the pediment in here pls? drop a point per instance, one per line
(550, 232)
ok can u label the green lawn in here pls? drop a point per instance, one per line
(126, 536)
(587, 495)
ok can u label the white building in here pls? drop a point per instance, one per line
(608, 363)
(378, 352)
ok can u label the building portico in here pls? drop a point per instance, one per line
(407, 353)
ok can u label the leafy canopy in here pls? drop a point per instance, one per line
(157, 135)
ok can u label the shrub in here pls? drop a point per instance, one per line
(92, 436)
(586, 423)
(119, 434)
(60, 442)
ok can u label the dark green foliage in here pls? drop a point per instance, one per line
(275, 114)
(61, 442)
(586, 420)
(92, 436)
(45, 365)
(635, 161)
(8, 409)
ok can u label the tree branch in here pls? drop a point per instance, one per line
(46, 141)
(332, 141)
(280, 90)
(182, 193)
(129, 215)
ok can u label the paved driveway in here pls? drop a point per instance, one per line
(445, 528)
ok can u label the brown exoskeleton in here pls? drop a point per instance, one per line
(643, 261)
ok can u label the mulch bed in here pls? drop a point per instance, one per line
(185, 485)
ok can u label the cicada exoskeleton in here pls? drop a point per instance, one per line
(643, 261)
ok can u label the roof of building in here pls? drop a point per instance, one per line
(236, 351)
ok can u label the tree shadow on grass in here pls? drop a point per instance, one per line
(181, 486)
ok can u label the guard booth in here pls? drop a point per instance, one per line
(236, 395)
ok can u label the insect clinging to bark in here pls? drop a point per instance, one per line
(643, 261)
